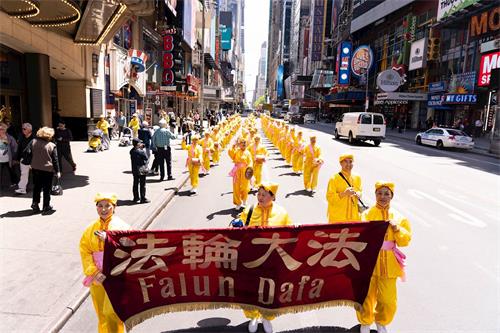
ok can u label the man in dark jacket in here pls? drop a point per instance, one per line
(23, 157)
(139, 162)
(145, 136)
(63, 136)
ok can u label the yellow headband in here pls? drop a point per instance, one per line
(381, 184)
(270, 187)
(111, 197)
(346, 156)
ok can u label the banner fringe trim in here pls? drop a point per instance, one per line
(198, 306)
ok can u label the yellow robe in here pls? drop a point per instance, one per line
(103, 125)
(272, 216)
(134, 125)
(311, 171)
(207, 145)
(381, 301)
(346, 208)
(241, 185)
(298, 155)
(194, 151)
(90, 243)
(257, 166)
(217, 148)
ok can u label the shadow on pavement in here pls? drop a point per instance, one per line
(299, 192)
(74, 181)
(125, 203)
(286, 166)
(230, 211)
(19, 213)
(290, 174)
(186, 193)
(226, 193)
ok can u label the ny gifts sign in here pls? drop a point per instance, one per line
(277, 270)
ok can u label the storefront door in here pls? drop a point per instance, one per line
(127, 106)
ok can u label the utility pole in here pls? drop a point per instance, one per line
(367, 99)
(202, 60)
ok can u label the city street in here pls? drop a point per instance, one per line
(450, 198)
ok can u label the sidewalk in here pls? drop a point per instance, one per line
(40, 279)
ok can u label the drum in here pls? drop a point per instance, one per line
(195, 161)
(249, 173)
(260, 158)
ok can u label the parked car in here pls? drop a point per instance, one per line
(309, 118)
(296, 118)
(445, 138)
(361, 126)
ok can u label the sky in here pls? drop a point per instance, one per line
(256, 28)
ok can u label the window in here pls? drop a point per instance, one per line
(366, 119)
(378, 120)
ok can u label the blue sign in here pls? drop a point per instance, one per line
(437, 87)
(344, 65)
(435, 100)
(226, 35)
(460, 99)
(279, 81)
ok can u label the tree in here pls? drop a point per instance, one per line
(259, 101)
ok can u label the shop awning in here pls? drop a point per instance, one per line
(347, 97)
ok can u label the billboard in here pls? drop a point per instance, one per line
(489, 62)
(318, 30)
(418, 54)
(189, 29)
(344, 63)
(447, 8)
(279, 82)
(226, 30)
(362, 59)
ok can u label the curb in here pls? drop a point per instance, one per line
(57, 324)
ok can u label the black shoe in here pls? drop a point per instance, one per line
(136, 200)
(170, 178)
(145, 201)
(161, 179)
(35, 208)
(47, 209)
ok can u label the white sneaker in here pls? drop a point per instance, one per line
(194, 190)
(20, 191)
(364, 329)
(268, 327)
(238, 207)
(381, 328)
(253, 325)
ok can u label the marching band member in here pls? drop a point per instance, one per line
(91, 252)
(312, 164)
(242, 159)
(344, 189)
(381, 301)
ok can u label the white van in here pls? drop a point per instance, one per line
(361, 126)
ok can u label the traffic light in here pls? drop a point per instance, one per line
(178, 65)
(433, 49)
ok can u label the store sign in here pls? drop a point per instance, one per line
(168, 77)
(318, 30)
(460, 99)
(439, 86)
(489, 62)
(398, 96)
(344, 61)
(492, 45)
(389, 80)
(447, 8)
(362, 60)
(435, 100)
(485, 23)
(418, 54)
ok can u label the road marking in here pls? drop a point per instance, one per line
(466, 200)
(457, 214)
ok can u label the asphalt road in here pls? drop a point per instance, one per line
(451, 198)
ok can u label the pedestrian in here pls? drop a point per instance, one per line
(103, 125)
(139, 161)
(63, 137)
(44, 165)
(172, 120)
(312, 164)
(178, 123)
(194, 162)
(121, 120)
(91, 253)
(259, 155)
(343, 193)
(112, 123)
(242, 160)
(161, 142)
(381, 301)
(144, 135)
(8, 151)
(207, 145)
(478, 127)
(267, 213)
(134, 125)
(23, 156)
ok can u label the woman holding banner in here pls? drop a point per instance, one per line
(91, 252)
(265, 213)
(381, 301)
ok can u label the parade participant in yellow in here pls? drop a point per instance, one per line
(282, 139)
(259, 154)
(343, 192)
(381, 301)
(184, 145)
(103, 125)
(242, 159)
(194, 162)
(208, 146)
(312, 164)
(91, 252)
(134, 124)
(289, 145)
(298, 154)
(265, 213)
(217, 146)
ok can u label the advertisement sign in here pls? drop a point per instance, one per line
(485, 23)
(435, 100)
(462, 83)
(398, 96)
(439, 86)
(189, 22)
(389, 80)
(168, 77)
(226, 29)
(362, 60)
(460, 99)
(447, 8)
(344, 63)
(418, 54)
(318, 30)
(279, 82)
(488, 63)
(123, 73)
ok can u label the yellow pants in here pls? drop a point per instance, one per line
(255, 314)
(310, 176)
(240, 190)
(288, 154)
(380, 303)
(206, 161)
(194, 175)
(216, 156)
(297, 162)
(257, 173)
(108, 320)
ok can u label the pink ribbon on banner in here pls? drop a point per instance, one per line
(235, 169)
(400, 256)
(98, 258)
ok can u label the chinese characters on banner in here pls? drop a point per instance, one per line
(279, 269)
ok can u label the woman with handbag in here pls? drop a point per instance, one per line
(44, 164)
(343, 193)
(139, 161)
(381, 301)
(193, 162)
